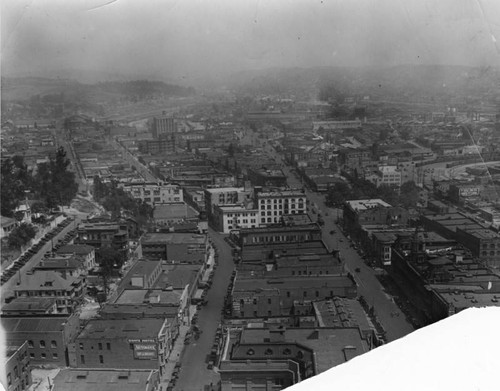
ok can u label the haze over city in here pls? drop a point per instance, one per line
(195, 39)
(217, 195)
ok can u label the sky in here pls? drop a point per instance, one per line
(189, 39)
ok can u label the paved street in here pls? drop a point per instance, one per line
(388, 313)
(8, 288)
(194, 373)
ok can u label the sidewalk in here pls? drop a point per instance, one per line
(174, 357)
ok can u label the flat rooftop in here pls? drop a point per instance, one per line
(174, 238)
(358, 205)
(117, 328)
(104, 379)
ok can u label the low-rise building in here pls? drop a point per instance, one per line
(483, 243)
(253, 297)
(104, 234)
(439, 286)
(47, 337)
(7, 225)
(279, 234)
(371, 212)
(27, 306)
(174, 213)
(68, 291)
(154, 193)
(176, 246)
(82, 251)
(270, 177)
(131, 344)
(314, 350)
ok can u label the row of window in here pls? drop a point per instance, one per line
(280, 200)
(99, 346)
(291, 204)
(491, 245)
(18, 388)
(492, 253)
(280, 238)
(42, 344)
(43, 356)
(269, 352)
(247, 214)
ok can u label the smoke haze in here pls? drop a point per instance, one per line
(192, 39)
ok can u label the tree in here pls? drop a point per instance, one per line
(109, 259)
(12, 187)
(21, 235)
(409, 194)
(337, 194)
(55, 184)
(388, 194)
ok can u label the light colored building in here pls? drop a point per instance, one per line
(272, 205)
(154, 193)
(229, 217)
(389, 175)
(8, 224)
(225, 196)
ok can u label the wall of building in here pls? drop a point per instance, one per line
(16, 375)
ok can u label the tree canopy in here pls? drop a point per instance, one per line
(21, 235)
(115, 200)
(15, 180)
(55, 184)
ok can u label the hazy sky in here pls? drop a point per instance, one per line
(192, 38)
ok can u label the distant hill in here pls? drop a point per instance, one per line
(24, 88)
(401, 79)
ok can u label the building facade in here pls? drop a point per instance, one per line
(114, 343)
(16, 373)
(273, 205)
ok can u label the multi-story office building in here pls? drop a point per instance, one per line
(230, 217)
(163, 126)
(225, 196)
(273, 205)
(388, 175)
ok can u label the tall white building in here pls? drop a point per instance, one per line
(272, 205)
(389, 175)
